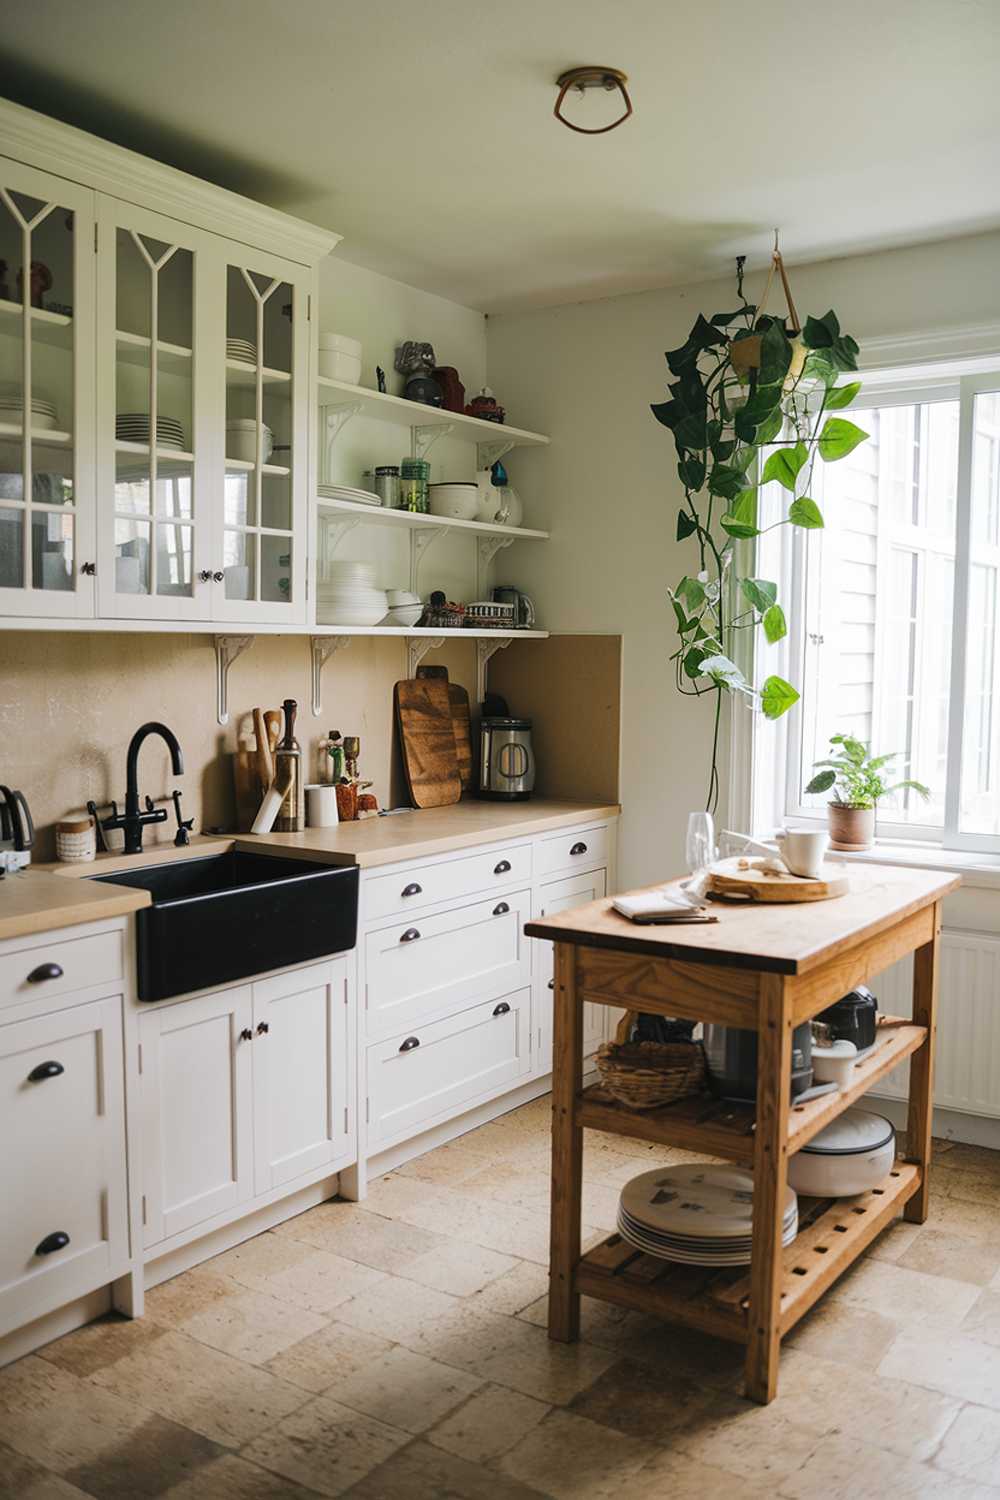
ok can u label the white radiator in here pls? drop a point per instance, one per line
(967, 1067)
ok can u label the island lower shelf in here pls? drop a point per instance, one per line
(833, 1232)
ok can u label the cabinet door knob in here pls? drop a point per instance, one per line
(205, 575)
(501, 909)
(218, 575)
(412, 889)
(263, 1027)
(57, 1241)
(502, 868)
(43, 972)
(580, 848)
(502, 1009)
(45, 1070)
(246, 1035)
(552, 984)
(410, 935)
(409, 1044)
(88, 568)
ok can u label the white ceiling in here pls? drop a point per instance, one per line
(422, 130)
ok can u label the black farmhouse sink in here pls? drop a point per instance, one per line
(228, 916)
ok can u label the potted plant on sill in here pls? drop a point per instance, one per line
(745, 382)
(859, 786)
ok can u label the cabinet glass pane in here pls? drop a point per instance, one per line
(37, 419)
(174, 481)
(131, 556)
(276, 568)
(240, 498)
(173, 559)
(132, 486)
(276, 502)
(240, 564)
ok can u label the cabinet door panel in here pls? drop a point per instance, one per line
(562, 895)
(301, 1072)
(63, 1174)
(197, 1110)
(46, 368)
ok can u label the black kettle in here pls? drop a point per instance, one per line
(853, 1018)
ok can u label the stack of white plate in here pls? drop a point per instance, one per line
(134, 427)
(241, 349)
(404, 608)
(43, 411)
(348, 595)
(241, 440)
(347, 492)
(697, 1215)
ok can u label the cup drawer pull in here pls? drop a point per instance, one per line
(502, 868)
(410, 935)
(52, 1242)
(409, 1044)
(502, 1009)
(552, 984)
(579, 848)
(501, 909)
(43, 972)
(413, 889)
(45, 1070)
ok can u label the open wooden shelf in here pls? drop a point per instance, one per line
(833, 1232)
(725, 1127)
(380, 515)
(415, 414)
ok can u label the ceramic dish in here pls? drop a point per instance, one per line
(459, 502)
(852, 1155)
(404, 614)
(708, 1202)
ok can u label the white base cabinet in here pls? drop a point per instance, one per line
(556, 896)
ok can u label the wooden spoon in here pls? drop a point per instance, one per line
(265, 765)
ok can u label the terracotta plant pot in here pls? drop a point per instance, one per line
(851, 827)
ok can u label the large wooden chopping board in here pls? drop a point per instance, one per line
(427, 741)
(461, 719)
(728, 880)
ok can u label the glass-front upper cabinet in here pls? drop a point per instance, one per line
(47, 556)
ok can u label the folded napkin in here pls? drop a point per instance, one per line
(664, 905)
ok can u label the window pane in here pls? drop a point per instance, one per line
(980, 800)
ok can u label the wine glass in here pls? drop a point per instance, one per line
(700, 845)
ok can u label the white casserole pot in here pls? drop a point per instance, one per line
(340, 357)
(459, 502)
(851, 1156)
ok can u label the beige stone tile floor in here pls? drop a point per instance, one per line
(396, 1350)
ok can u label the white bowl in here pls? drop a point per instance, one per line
(334, 364)
(404, 614)
(460, 502)
(401, 596)
(243, 445)
(834, 1064)
(851, 1156)
(341, 342)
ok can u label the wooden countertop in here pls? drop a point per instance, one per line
(38, 901)
(778, 939)
(44, 897)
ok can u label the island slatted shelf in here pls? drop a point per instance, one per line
(766, 969)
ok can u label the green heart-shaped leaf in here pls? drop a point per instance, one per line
(784, 466)
(839, 438)
(839, 396)
(777, 697)
(805, 512)
(760, 592)
(774, 624)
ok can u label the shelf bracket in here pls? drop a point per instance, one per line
(487, 548)
(491, 451)
(227, 649)
(484, 650)
(335, 528)
(334, 419)
(421, 538)
(422, 439)
(417, 647)
(321, 648)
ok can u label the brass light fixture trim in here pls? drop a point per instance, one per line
(590, 77)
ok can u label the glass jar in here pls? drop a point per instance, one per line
(414, 474)
(387, 485)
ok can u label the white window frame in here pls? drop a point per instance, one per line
(766, 758)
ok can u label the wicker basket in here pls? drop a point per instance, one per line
(643, 1075)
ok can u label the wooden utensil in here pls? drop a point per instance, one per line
(265, 765)
(461, 720)
(726, 879)
(427, 741)
(272, 723)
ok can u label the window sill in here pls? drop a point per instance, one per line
(982, 870)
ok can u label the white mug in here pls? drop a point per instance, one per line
(321, 806)
(802, 852)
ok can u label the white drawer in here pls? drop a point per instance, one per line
(577, 848)
(432, 1074)
(420, 968)
(423, 885)
(62, 1116)
(556, 896)
(50, 967)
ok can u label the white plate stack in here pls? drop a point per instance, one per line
(347, 492)
(348, 595)
(43, 411)
(134, 427)
(697, 1215)
(241, 349)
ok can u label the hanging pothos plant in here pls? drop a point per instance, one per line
(745, 381)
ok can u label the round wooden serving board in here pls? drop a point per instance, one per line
(726, 879)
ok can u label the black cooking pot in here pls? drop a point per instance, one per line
(731, 1056)
(853, 1018)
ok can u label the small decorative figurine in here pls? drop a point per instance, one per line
(40, 281)
(416, 362)
(452, 388)
(486, 407)
(380, 378)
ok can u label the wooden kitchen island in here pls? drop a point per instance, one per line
(766, 968)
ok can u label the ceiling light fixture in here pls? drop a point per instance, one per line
(584, 78)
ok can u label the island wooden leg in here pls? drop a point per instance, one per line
(920, 1113)
(567, 1150)
(770, 1173)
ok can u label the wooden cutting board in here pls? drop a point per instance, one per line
(461, 719)
(728, 880)
(427, 741)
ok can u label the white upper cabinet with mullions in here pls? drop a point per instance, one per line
(163, 362)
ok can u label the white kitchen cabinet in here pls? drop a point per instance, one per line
(63, 1225)
(205, 523)
(556, 896)
(46, 361)
(303, 1067)
(197, 1110)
